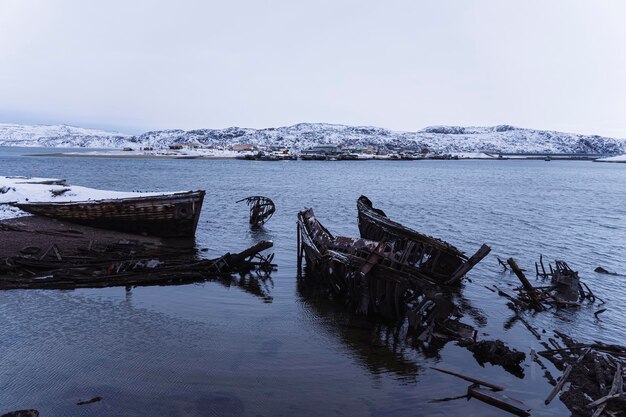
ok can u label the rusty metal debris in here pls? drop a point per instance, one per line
(429, 257)
(261, 209)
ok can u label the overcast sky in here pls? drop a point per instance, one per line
(140, 65)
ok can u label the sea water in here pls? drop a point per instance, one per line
(271, 348)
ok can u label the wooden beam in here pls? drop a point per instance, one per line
(470, 379)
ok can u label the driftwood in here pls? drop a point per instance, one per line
(499, 400)
(502, 263)
(530, 290)
(471, 379)
(566, 373)
(93, 400)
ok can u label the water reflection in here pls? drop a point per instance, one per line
(378, 345)
(258, 233)
(257, 283)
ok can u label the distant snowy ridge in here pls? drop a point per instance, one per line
(58, 136)
(443, 139)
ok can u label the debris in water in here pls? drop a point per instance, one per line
(93, 400)
(499, 400)
(93, 258)
(566, 289)
(601, 270)
(377, 278)
(22, 413)
(261, 209)
(589, 369)
(471, 379)
(496, 352)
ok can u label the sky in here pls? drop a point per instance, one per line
(141, 65)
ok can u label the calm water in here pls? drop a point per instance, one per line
(213, 349)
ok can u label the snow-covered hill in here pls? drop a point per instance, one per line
(444, 139)
(59, 136)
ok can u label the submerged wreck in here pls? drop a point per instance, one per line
(261, 209)
(43, 253)
(374, 278)
(427, 256)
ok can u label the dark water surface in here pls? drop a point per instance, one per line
(212, 350)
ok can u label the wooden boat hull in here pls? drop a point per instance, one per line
(367, 276)
(171, 215)
(437, 259)
(341, 271)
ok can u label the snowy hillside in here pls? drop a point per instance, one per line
(59, 136)
(444, 139)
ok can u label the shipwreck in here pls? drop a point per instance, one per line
(373, 277)
(425, 256)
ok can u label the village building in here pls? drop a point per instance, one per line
(242, 147)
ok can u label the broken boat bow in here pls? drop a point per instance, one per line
(436, 259)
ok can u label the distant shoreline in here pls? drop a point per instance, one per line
(515, 157)
(134, 156)
(212, 157)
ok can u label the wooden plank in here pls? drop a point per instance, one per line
(530, 290)
(566, 373)
(470, 379)
(499, 400)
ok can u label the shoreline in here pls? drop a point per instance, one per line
(213, 157)
(120, 156)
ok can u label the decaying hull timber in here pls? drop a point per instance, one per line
(367, 275)
(261, 209)
(168, 215)
(135, 264)
(435, 259)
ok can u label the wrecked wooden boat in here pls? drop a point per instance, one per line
(167, 215)
(436, 259)
(371, 278)
(129, 264)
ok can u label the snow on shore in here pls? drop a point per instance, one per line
(27, 189)
(618, 158)
(439, 139)
(185, 153)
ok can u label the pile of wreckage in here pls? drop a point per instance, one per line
(391, 271)
(399, 274)
(565, 289)
(82, 237)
